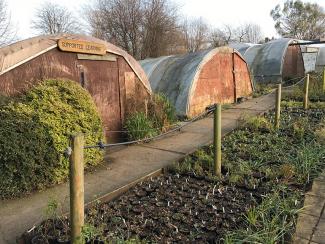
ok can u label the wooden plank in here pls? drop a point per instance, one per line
(108, 57)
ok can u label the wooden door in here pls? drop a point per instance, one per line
(101, 79)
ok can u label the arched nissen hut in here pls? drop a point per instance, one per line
(273, 61)
(196, 80)
(114, 79)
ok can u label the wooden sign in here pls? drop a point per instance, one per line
(77, 46)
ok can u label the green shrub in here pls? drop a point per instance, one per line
(34, 132)
(161, 111)
(140, 127)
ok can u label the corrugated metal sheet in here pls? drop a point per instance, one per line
(309, 61)
(23, 51)
(176, 76)
(320, 62)
(241, 47)
(266, 61)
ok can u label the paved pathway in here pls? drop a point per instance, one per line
(125, 166)
(311, 221)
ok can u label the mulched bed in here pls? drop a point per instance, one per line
(170, 208)
(183, 208)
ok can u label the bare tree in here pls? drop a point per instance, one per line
(196, 33)
(7, 33)
(222, 36)
(253, 33)
(118, 21)
(244, 33)
(161, 34)
(144, 28)
(51, 18)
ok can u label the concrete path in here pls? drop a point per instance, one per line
(125, 166)
(311, 221)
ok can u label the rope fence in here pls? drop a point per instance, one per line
(101, 145)
(209, 110)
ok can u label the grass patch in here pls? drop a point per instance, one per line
(140, 127)
(316, 92)
(160, 116)
(272, 221)
(262, 89)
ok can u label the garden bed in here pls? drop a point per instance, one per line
(265, 174)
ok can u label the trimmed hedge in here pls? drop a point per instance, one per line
(35, 129)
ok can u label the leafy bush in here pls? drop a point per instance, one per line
(34, 132)
(139, 127)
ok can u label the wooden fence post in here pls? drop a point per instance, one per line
(217, 140)
(278, 106)
(146, 107)
(324, 80)
(77, 188)
(306, 89)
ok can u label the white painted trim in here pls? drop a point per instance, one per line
(28, 59)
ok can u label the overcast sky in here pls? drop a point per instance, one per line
(215, 12)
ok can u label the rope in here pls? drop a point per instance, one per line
(297, 83)
(101, 145)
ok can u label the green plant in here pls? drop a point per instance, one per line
(270, 221)
(299, 128)
(51, 210)
(35, 130)
(262, 89)
(4, 100)
(90, 232)
(320, 135)
(139, 127)
(258, 124)
(161, 112)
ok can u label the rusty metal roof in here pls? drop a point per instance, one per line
(21, 52)
(176, 76)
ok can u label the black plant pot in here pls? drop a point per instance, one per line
(38, 239)
(63, 240)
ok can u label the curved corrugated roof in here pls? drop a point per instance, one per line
(320, 61)
(176, 76)
(241, 47)
(267, 60)
(20, 52)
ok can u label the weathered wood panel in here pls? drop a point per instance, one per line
(243, 82)
(215, 83)
(222, 80)
(103, 79)
(293, 65)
